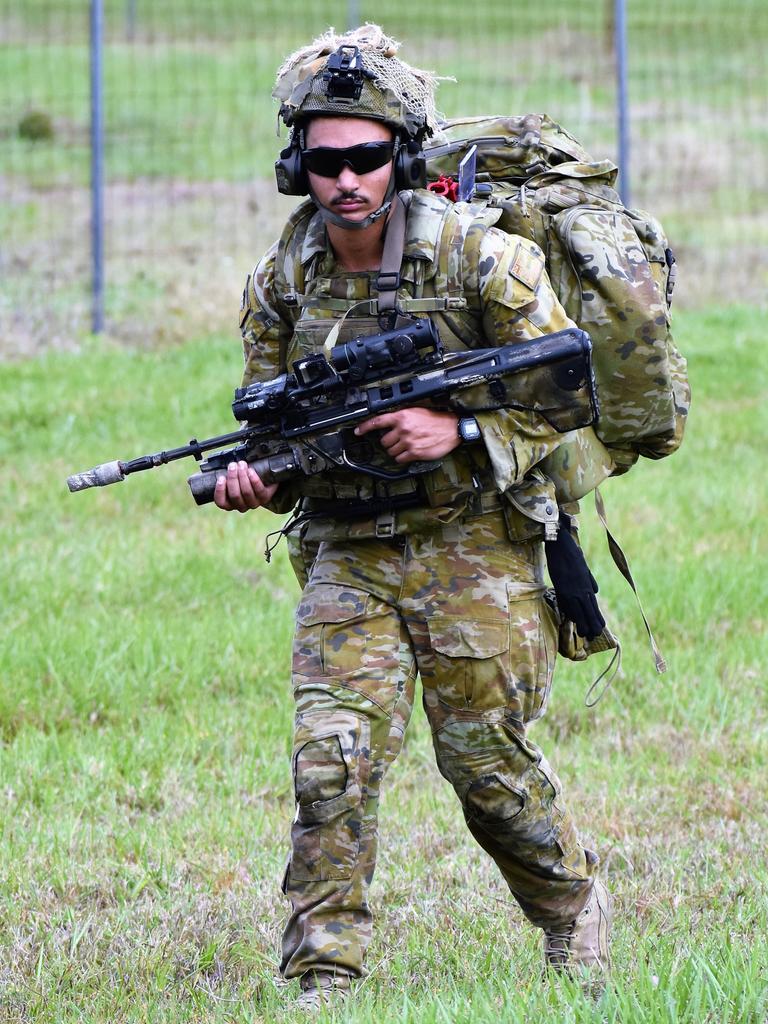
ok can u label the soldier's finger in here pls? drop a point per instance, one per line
(247, 495)
(264, 492)
(397, 448)
(257, 487)
(220, 494)
(233, 487)
(385, 419)
(392, 437)
(406, 456)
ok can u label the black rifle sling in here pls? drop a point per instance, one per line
(388, 281)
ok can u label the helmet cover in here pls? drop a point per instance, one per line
(357, 75)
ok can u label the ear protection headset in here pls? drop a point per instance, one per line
(410, 166)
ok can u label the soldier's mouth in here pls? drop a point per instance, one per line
(349, 203)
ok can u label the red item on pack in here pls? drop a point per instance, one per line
(445, 186)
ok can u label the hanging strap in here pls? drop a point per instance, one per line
(333, 335)
(622, 565)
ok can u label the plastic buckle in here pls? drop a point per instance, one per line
(389, 281)
(385, 524)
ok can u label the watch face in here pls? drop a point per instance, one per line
(468, 429)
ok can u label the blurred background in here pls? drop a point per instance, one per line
(190, 139)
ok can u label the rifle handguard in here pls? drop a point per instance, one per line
(271, 471)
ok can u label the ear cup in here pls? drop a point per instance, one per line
(410, 166)
(290, 173)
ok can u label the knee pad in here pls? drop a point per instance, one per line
(320, 771)
(331, 767)
(493, 800)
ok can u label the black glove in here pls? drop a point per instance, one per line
(573, 583)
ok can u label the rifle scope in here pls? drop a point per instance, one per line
(366, 357)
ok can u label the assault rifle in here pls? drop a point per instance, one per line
(302, 422)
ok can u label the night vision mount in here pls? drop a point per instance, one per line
(344, 74)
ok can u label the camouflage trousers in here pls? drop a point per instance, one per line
(463, 608)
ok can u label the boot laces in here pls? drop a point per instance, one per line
(559, 940)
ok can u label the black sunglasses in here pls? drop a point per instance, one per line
(329, 162)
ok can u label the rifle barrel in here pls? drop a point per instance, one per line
(114, 472)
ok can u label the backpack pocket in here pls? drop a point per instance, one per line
(613, 294)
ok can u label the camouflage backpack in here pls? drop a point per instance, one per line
(611, 267)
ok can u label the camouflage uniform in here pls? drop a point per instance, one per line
(451, 588)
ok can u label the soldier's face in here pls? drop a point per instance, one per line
(351, 193)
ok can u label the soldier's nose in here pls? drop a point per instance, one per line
(347, 180)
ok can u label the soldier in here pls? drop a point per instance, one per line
(440, 573)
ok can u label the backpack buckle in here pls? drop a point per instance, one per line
(388, 281)
(385, 524)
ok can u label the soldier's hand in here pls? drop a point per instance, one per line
(242, 489)
(415, 435)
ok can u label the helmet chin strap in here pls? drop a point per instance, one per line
(330, 216)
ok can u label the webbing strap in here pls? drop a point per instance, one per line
(388, 280)
(620, 559)
(340, 305)
(435, 304)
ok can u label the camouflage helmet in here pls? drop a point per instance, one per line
(357, 75)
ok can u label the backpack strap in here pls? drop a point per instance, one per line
(388, 281)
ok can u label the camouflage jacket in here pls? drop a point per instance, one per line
(482, 287)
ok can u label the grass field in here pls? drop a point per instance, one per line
(145, 717)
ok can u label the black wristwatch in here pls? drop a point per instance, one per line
(469, 429)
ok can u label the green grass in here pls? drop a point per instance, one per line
(145, 711)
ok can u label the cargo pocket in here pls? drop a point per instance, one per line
(470, 661)
(533, 643)
(328, 633)
(330, 769)
(347, 637)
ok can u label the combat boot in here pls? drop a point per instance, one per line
(583, 942)
(320, 988)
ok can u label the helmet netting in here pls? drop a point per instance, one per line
(413, 87)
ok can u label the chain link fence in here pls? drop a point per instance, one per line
(190, 139)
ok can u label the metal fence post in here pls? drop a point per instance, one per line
(353, 14)
(97, 166)
(620, 46)
(130, 18)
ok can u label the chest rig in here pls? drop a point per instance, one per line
(422, 273)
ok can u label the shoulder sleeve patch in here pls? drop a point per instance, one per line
(244, 310)
(527, 264)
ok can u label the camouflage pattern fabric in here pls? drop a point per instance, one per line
(464, 607)
(518, 145)
(611, 267)
(391, 91)
(499, 292)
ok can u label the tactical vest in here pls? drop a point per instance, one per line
(441, 239)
